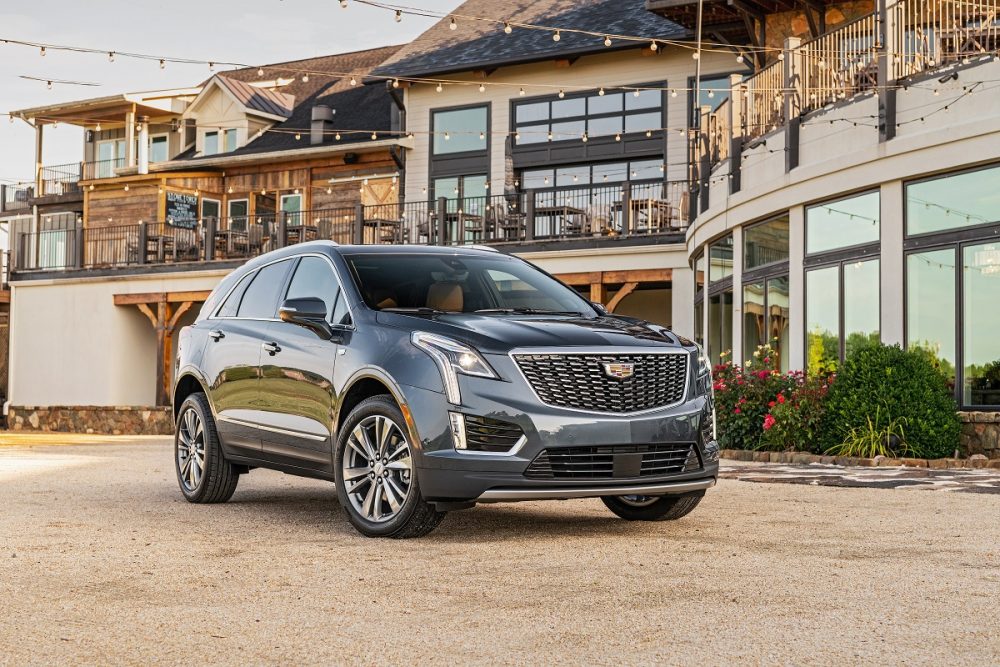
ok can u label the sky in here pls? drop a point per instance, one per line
(245, 31)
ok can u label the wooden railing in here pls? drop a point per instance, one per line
(622, 209)
(838, 64)
(762, 106)
(932, 34)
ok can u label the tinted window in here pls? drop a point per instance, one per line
(766, 243)
(843, 223)
(954, 201)
(314, 278)
(233, 301)
(459, 130)
(260, 301)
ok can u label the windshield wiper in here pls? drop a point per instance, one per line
(418, 310)
(527, 311)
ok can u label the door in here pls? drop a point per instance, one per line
(233, 353)
(297, 375)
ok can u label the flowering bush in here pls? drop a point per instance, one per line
(794, 418)
(742, 394)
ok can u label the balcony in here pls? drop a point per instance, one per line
(102, 168)
(63, 179)
(16, 198)
(652, 212)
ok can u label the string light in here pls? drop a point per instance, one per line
(126, 187)
(653, 46)
(399, 16)
(482, 88)
(482, 136)
(111, 56)
(739, 58)
(696, 55)
(601, 92)
(374, 136)
(447, 136)
(521, 92)
(305, 78)
(618, 137)
(41, 51)
(635, 93)
(439, 88)
(260, 71)
(453, 25)
(97, 128)
(163, 63)
(211, 67)
(354, 81)
(395, 83)
(607, 41)
(297, 136)
(506, 27)
(550, 135)
(673, 93)
(48, 84)
(561, 94)
(556, 36)
(584, 137)
(337, 136)
(343, 4)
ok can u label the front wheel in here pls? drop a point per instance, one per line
(376, 482)
(653, 508)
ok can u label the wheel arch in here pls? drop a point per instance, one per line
(188, 382)
(364, 384)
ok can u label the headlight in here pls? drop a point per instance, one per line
(704, 368)
(452, 358)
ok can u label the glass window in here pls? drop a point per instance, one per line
(532, 112)
(642, 122)
(843, 223)
(822, 319)
(699, 325)
(230, 140)
(597, 127)
(712, 93)
(765, 243)
(158, 148)
(754, 318)
(458, 130)
(446, 187)
(607, 103)
(645, 169)
(720, 259)
(981, 344)
(568, 130)
(614, 172)
(232, 302)
(211, 208)
(211, 143)
(930, 304)
(646, 99)
(579, 175)
(576, 106)
(238, 209)
(260, 301)
(861, 304)
(537, 178)
(532, 134)
(699, 272)
(952, 202)
(778, 330)
(315, 278)
(720, 325)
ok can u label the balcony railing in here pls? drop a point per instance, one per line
(16, 197)
(102, 168)
(762, 106)
(839, 64)
(931, 34)
(61, 180)
(641, 208)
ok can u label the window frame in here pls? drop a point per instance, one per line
(341, 294)
(839, 261)
(959, 232)
(459, 164)
(281, 290)
(822, 254)
(767, 267)
(204, 142)
(165, 136)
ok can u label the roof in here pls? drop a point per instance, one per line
(264, 100)
(480, 45)
(152, 102)
(356, 107)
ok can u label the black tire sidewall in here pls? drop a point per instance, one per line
(385, 406)
(213, 452)
(664, 509)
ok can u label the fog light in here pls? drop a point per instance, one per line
(458, 429)
(712, 452)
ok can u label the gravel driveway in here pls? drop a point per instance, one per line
(102, 561)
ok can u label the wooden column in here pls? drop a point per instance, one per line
(164, 311)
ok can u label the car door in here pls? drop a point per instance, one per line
(297, 374)
(233, 352)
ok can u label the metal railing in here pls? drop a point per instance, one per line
(61, 179)
(16, 197)
(932, 34)
(102, 168)
(645, 207)
(762, 107)
(839, 64)
(720, 132)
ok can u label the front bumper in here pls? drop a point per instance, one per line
(497, 495)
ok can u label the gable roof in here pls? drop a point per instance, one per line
(481, 45)
(264, 100)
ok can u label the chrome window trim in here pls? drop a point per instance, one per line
(590, 351)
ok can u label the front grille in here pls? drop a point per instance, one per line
(614, 461)
(490, 435)
(583, 381)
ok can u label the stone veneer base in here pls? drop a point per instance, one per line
(981, 433)
(99, 419)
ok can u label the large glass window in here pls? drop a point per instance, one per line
(315, 278)
(460, 130)
(765, 318)
(720, 324)
(842, 312)
(598, 113)
(210, 146)
(843, 223)
(930, 299)
(158, 148)
(720, 262)
(980, 324)
(765, 243)
(260, 301)
(953, 202)
(230, 137)
(778, 318)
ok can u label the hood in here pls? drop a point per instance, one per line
(502, 333)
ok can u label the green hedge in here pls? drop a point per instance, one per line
(905, 386)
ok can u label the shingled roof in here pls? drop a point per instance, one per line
(479, 45)
(357, 107)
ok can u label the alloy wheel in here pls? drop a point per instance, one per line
(639, 501)
(377, 468)
(191, 449)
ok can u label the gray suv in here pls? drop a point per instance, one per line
(421, 380)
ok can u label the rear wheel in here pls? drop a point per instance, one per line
(653, 508)
(376, 482)
(203, 473)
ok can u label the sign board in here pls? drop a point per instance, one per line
(182, 210)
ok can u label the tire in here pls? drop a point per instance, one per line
(374, 469)
(215, 481)
(662, 508)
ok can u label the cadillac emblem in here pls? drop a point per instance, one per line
(619, 371)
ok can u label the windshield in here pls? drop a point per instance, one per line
(461, 284)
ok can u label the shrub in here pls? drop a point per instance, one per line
(873, 439)
(794, 420)
(891, 387)
(741, 397)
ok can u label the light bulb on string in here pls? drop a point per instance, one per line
(607, 41)
(739, 58)
(399, 16)
(111, 56)
(482, 88)
(163, 63)
(453, 25)
(653, 46)
(556, 36)
(374, 136)
(41, 51)
(673, 93)
(439, 88)
(298, 136)
(696, 55)
(305, 78)
(395, 83)
(337, 136)
(550, 135)
(584, 137)
(48, 84)
(354, 81)
(447, 136)
(482, 136)
(561, 94)
(521, 92)
(618, 137)
(635, 93)
(211, 67)
(343, 4)
(260, 71)
(506, 27)
(601, 92)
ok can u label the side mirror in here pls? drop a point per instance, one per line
(308, 312)
(599, 308)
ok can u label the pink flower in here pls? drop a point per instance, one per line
(762, 374)
(737, 411)
(767, 360)
(781, 398)
(771, 404)
(768, 422)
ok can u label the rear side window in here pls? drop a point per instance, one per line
(232, 302)
(315, 278)
(260, 301)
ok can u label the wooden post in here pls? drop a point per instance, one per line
(628, 225)
(79, 246)
(143, 243)
(529, 215)
(210, 224)
(359, 223)
(626, 289)
(442, 216)
(598, 293)
(282, 232)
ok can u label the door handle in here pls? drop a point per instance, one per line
(216, 335)
(271, 348)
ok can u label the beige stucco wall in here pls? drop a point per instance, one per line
(70, 345)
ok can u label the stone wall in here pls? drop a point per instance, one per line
(981, 433)
(108, 420)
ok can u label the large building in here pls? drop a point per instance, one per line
(818, 175)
